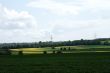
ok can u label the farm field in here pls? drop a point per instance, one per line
(30, 50)
(79, 48)
(87, 46)
(54, 36)
(56, 63)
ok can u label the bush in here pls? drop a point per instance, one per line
(20, 53)
(44, 52)
(53, 47)
(64, 49)
(8, 52)
(59, 52)
(5, 52)
(69, 48)
(53, 52)
(61, 48)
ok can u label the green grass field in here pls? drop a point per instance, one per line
(56, 63)
(79, 48)
(82, 59)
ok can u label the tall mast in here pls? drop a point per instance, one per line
(95, 36)
(51, 38)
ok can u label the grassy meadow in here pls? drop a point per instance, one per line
(79, 59)
(73, 49)
(56, 63)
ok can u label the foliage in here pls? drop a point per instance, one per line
(53, 44)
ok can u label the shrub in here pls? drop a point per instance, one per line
(64, 49)
(20, 53)
(61, 48)
(5, 52)
(59, 52)
(44, 52)
(53, 52)
(69, 48)
(53, 47)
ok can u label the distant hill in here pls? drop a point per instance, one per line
(103, 39)
(98, 41)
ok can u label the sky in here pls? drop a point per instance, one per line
(37, 20)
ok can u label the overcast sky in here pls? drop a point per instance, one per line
(36, 20)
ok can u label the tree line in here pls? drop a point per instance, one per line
(54, 44)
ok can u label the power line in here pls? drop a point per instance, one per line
(51, 38)
(95, 36)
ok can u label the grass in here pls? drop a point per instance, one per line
(56, 63)
(86, 46)
(31, 50)
(79, 48)
(82, 59)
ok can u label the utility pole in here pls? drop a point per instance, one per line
(95, 36)
(51, 39)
